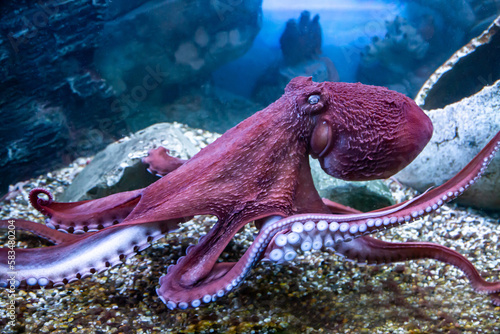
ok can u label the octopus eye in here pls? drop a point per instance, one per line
(313, 99)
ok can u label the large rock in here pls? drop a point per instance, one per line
(51, 102)
(301, 56)
(361, 195)
(466, 72)
(119, 167)
(413, 47)
(391, 61)
(184, 38)
(72, 72)
(461, 130)
(206, 107)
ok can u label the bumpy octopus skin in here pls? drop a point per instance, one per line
(257, 171)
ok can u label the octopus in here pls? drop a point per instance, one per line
(257, 172)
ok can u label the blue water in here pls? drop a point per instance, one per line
(348, 27)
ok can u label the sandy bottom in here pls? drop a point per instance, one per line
(317, 293)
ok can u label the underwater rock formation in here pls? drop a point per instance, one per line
(462, 13)
(397, 60)
(301, 56)
(475, 65)
(51, 100)
(205, 107)
(58, 104)
(460, 131)
(394, 60)
(119, 168)
(301, 40)
(362, 195)
(465, 17)
(186, 39)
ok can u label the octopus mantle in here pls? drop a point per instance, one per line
(257, 171)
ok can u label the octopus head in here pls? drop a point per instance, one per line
(361, 132)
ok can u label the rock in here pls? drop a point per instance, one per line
(462, 15)
(51, 100)
(205, 107)
(461, 130)
(185, 39)
(364, 196)
(67, 88)
(474, 66)
(301, 56)
(396, 60)
(301, 40)
(119, 168)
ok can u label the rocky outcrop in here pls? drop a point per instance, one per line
(474, 66)
(185, 39)
(72, 72)
(413, 48)
(461, 130)
(51, 102)
(301, 56)
(395, 61)
(119, 167)
(361, 195)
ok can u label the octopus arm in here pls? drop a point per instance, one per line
(196, 278)
(85, 216)
(373, 251)
(80, 255)
(346, 234)
(160, 162)
(40, 230)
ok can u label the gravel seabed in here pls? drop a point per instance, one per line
(317, 293)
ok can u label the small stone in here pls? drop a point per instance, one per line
(201, 37)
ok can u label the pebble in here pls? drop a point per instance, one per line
(317, 293)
